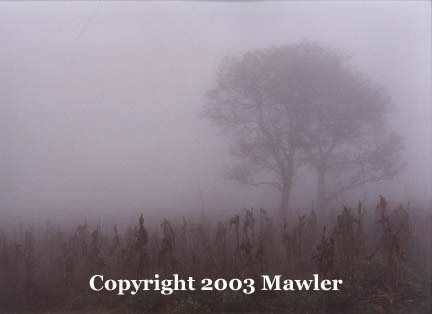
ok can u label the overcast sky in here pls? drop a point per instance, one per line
(100, 101)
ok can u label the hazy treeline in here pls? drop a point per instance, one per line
(382, 253)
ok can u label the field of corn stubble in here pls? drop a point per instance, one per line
(383, 254)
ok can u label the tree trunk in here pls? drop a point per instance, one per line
(285, 198)
(321, 192)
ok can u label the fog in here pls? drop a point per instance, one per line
(100, 102)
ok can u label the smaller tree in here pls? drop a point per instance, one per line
(347, 141)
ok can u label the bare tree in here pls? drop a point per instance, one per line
(347, 140)
(251, 100)
(301, 105)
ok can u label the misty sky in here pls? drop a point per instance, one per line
(100, 101)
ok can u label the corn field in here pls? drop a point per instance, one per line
(383, 255)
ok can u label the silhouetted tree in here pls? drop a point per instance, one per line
(346, 139)
(301, 105)
(252, 100)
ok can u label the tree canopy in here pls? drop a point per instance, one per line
(303, 105)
